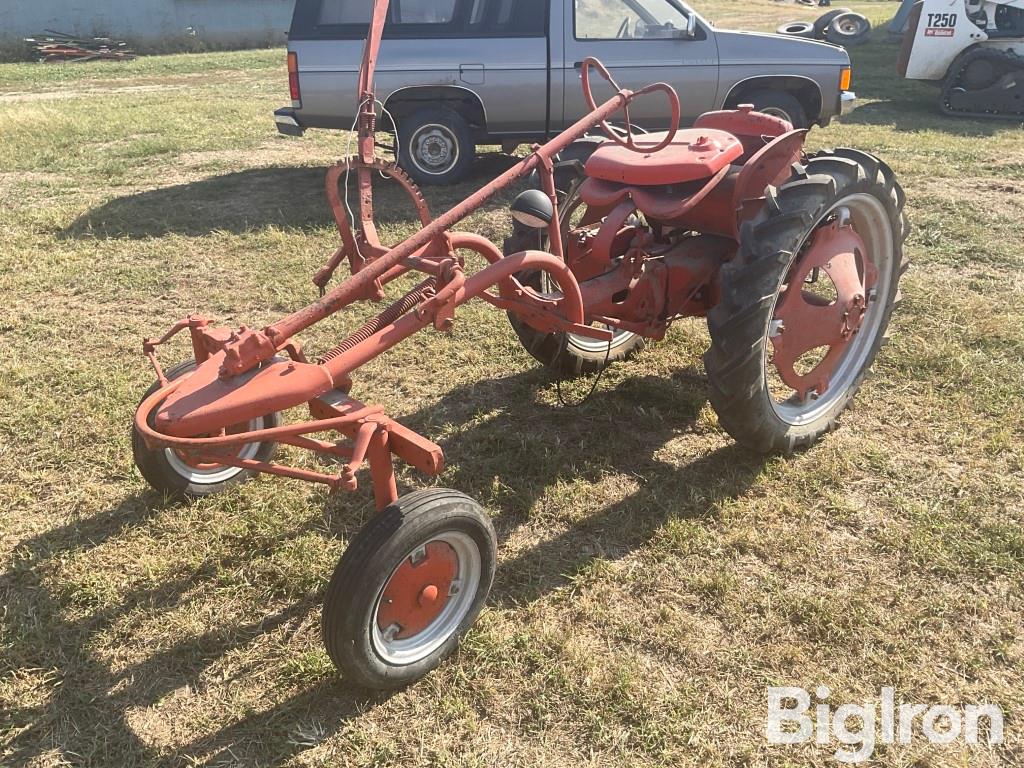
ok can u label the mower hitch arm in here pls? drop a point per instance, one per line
(254, 347)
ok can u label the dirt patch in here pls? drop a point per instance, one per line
(21, 97)
(997, 195)
(142, 85)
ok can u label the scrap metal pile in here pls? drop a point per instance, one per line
(52, 46)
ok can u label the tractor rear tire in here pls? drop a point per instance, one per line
(738, 363)
(378, 580)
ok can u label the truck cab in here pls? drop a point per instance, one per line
(453, 74)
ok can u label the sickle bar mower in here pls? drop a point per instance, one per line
(793, 258)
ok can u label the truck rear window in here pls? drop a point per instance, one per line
(348, 19)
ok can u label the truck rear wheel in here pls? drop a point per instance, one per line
(435, 145)
(806, 302)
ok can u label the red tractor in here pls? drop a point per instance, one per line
(795, 260)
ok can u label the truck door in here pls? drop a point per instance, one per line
(503, 57)
(640, 42)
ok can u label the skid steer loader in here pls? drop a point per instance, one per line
(972, 49)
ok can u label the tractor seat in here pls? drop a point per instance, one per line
(694, 154)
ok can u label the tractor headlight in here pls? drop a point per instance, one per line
(533, 209)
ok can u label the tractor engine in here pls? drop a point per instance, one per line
(644, 275)
(645, 239)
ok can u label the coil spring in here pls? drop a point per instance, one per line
(385, 318)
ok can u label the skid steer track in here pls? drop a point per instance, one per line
(985, 83)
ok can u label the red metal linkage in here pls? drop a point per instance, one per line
(241, 376)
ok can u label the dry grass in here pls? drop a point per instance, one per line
(654, 577)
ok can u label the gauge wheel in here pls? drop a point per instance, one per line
(176, 474)
(435, 146)
(568, 354)
(806, 302)
(411, 582)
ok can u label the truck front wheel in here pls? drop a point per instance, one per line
(435, 145)
(779, 104)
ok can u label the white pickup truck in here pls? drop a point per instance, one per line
(457, 73)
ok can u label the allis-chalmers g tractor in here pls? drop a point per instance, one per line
(793, 258)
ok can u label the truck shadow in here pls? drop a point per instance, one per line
(510, 460)
(290, 198)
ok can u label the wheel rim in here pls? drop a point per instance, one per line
(571, 205)
(211, 473)
(852, 323)
(435, 149)
(848, 27)
(426, 598)
(777, 112)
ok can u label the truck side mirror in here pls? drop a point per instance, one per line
(691, 26)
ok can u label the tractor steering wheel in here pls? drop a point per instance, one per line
(628, 142)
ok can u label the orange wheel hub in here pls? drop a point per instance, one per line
(199, 461)
(418, 590)
(804, 322)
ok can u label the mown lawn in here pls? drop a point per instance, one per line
(653, 578)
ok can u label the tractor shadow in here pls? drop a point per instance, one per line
(524, 452)
(512, 460)
(921, 115)
(85, 717)
(289, 198)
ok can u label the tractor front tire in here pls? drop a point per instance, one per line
(566, 354)
(743, 390)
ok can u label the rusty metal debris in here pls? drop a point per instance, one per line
(52, 46)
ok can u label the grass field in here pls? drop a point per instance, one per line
(653, 578)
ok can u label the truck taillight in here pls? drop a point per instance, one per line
(845, 77)
(293, 79)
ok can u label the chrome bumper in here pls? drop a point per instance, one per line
(846, 99)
